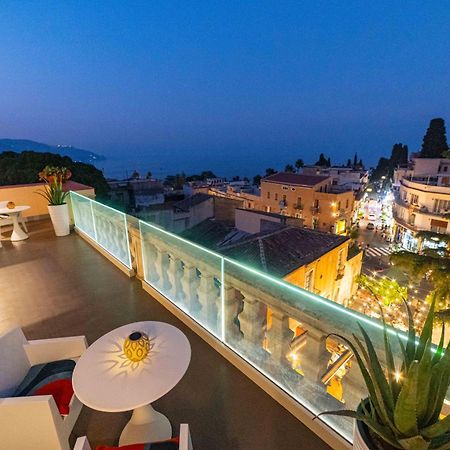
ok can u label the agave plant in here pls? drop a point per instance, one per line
(405, 399)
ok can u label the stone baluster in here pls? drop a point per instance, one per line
(161, 263)
(353, 386)
(174, 273)
(314, 357)
(232, 308)
(279, 337)
(209, 299)
(189, 283)
(252, 323)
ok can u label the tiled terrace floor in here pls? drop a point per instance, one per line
(56, 287)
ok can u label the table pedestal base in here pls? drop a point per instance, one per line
(18, 234)
(146, 425)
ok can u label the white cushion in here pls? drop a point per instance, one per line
(14, 361)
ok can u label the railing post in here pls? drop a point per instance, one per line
(253, 319)
(314, 357)
(208, 297)
(189, 283)
(174, 273)
(231, 311)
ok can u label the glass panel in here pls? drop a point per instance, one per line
(185, 273)
(105, 225)
(284, 332)
(112, 232)
(82, 214)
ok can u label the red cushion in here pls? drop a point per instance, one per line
(62, 392)
(169, 444)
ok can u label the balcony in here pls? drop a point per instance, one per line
(67, 287)
(315, 209)
(299, 206)
(282, 203)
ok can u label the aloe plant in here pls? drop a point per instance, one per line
(405, 398)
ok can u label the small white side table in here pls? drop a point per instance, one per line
(18, 234)
(106, 380)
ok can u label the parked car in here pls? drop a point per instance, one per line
(370, 226)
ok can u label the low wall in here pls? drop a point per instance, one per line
(25, 194)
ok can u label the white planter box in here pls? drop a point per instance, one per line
(60, 219)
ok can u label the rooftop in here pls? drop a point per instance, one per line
(295, 179)
(191, 201)
(69, 288)
(276, 251)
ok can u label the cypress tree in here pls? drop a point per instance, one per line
(435, 141)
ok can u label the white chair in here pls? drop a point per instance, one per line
(82, 443)
(34, 423)
(5, 220)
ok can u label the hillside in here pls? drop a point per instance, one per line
(77, 154)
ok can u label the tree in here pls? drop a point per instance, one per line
(289, 168)
(135, 175)
(322, 161)
(384, 290)
(270, 171)
(399, 154)
(236, 178)
(299, 164)
(435, 140)
(329, 162)
(360, 164)
(23, 168)
(257, 180)
(355, 159)
(149, 175)
(430, 265)
(349, 163)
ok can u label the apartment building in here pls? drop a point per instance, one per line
(422, 202)
(312, 198)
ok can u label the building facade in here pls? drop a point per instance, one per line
(312, 198)
(422, 203)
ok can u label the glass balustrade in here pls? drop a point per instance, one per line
(105, 225)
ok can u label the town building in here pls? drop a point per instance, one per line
(422, 203)
(313, 198)
(181, 215)
(355, 179)
(136, 193)
(319, 262)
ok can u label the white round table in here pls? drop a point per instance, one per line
(106, 380)
(18, 234)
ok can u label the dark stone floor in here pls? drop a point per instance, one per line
(56, 287)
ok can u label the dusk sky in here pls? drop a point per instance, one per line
(261, 83)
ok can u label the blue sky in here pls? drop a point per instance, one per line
(224, 79)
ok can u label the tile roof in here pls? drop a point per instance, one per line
(278, 252)
(296, 179)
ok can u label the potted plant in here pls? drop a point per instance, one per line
(404, 403)
(53, 192)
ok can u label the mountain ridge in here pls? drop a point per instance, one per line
(77, 154)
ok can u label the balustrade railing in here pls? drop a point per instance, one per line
(292, 336)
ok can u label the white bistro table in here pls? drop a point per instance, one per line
(106, 380)
(18, 234)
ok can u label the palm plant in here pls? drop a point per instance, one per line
(405, 401)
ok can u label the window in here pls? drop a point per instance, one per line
(267, 208)
(414, 199)
(268, 195)
(339, 205)
(309, 280)
(441, 205)
(285, 188)
(315, 223)
(276, 195)
(320, 189)
(316, 203)
(293, 189)
(412, 219)
(340, 263)
(346, 204)
(284, 197)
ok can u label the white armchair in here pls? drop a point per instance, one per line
(34, 423)
(82, 443)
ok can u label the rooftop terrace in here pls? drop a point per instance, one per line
(55, 287)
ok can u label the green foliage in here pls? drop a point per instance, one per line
(270, 171)
(202, 177)
(175, 181)
(384, 290)
(435, 141)
(405, 400)
(299, 164)
(23, 168)
(53, 192)
(257, 180)
(322, 161)
(289, 168)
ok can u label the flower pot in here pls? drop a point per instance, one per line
(60, 219)
(361, 436)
